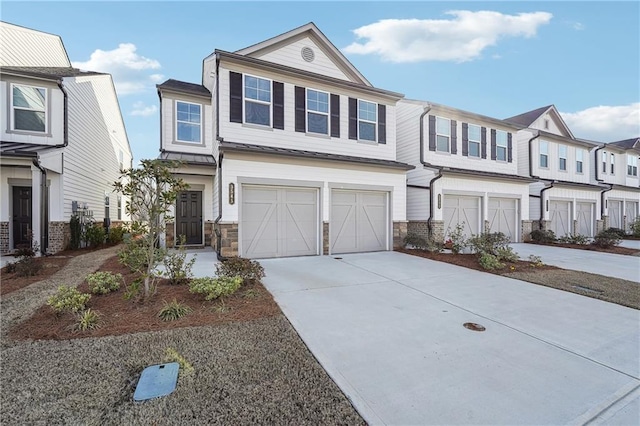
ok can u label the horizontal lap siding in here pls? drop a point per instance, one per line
(23, 47)
(418, 200)
(408, 142)
(552, 172)
(168, 125)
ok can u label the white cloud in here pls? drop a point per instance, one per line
(460, 39)
(578, 26)
(605, 123)
(130, 70)
(140, 109)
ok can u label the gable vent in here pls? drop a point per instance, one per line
(308, 54)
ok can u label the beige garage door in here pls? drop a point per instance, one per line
(279, 221)
(560, 217)
(503, 217)
(615, 214)
(631, 211)
(461, 210)
(585, 216)
(359, 221)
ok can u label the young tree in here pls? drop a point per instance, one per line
(151, 190)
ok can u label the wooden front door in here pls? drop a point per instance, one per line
(189, 217)
(22, 216)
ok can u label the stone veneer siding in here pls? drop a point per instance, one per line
(170, 238)
(228, 239)
(419, 228)
(59, 236)
(209, 239)
(4, 237)
(599, 226)
(399, 232)
(437, 230)
(325, 238)
(527, 227)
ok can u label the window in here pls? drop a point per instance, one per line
(188, 122)
(317, 112)
(632, 165)
(119, 207)
(604, 162)
(29, 108)
(106, 206)
(612, 164)
(501, 145)
(257, 100)
(546, 124)
(443, 134)
(544, 154)
(579, 160)
(367, 120)
(562, 156)
(121, 159)
(474, 140)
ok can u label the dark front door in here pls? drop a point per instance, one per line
(21, 216)
(189, 217)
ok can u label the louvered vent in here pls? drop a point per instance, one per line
(307, 54)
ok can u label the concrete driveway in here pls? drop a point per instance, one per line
(612, 265)
(388, 328)
(632, 244)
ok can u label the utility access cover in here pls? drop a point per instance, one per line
(157, 380)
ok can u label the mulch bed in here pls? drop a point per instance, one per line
(49, 266)
(120, 316)
(614, 250)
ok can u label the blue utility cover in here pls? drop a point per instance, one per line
(157, 380)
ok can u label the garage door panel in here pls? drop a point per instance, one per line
(503, 217)
(459, 209)
(359, 221)
(585, 218)
(559, 216)
(615, 214)
(631, 211)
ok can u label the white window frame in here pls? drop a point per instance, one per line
(257, 101)
(201, 141)
(470, 141)
(13, 108)
(613, 164)
(562, 155)
(364, 120)
(604, 162)
(580, 160)
(632, 165)
(448, 135)
(119, 207)
(543, 152)
(504, 144)
(309, 111)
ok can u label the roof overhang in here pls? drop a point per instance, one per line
(563, 139)
(587, 186)
(626, 188)
(193, 159)
(486, 175)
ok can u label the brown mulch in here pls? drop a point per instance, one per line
(120, 316)
(614, 250)
(49, 266)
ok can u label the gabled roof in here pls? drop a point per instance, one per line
(23, 46)
(627, 143)
(312, 31)
(528, 118)
(48, 72)
(184, 87)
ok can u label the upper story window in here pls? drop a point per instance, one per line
(188, 122)
(579, 160)
(121, 159)
(119, 207)
(544, 154)
(443, 134)
(546, 124)
(106, 206)
(613, 162)
(257, 100)
(317, 112)
(562, 157)
(474, 135)
(367, 120)
(29, 108)
(604, 162)
(632, 165)
(501, 145)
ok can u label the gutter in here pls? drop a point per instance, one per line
(428, 165)
(602, 200)
(543, 202)
(44, 211)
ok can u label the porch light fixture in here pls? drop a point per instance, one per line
(232, 193)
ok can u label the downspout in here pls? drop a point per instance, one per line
(425, 164)
(543, 202)
(530, 143)
(219, 171)
(160, 99)
(44, 210)
(602, 200)
(596, 162)
(65, 96)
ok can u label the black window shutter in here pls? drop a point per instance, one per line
(432, 133)
(382, 123)
(300, 101)
(353, 118)
(465, 139)
(493, 144)
(509, 148)
(454, 137)
(335, 116)
(235, 102)
(278, 105)
(483, 141)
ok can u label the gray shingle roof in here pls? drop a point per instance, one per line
(196, 159)
(626, 144)
(184, 87)
(525, 119)
(14, 149)
(479, 173)
(55, 72)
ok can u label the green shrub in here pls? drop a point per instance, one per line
(543, 236)
(457, 239)
(574, 239)
(103, 282)
(620, 233)
(247, 270)
(134, 256)
(177, 269)
(606, 239)
(489, 242)
(536, 261)
(76, 232)
(490, 262)
(172, 355)
(173, 310)
(421, 243)
(28, 267)
(87, 320)
(635, 227)
(95, 235)
(214, 288)
(507, 254)
(68, 299)
(116, 234)
(132, 290)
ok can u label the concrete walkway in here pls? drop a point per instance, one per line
(632, 244)
(607, 264)
(388, 328)
(205, 264)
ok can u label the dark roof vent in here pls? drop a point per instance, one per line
(308, 54)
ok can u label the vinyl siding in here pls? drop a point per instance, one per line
(620, 176)
(552, 171)
(408, 143)
(418, 200)
(23, 47)
(574, 196)
(169, 142)
(554, 126)
(621, 195)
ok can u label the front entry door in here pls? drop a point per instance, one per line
(189, 217)
(21, 216)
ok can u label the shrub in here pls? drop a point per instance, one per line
(574, 239)
(177, 269)
(507, 254)
(76, 232)
(635, 227)
(116, 234)
(543, 236)
(173, 310)
(28, 267)
(214, 288)
(134, 256)
(421, 243)
(620, 233)
(172, 355)
(68, 299)
(247, 270)
(458, 240)
(87, 320)
(536, 261)
(103, 282)
(95, 235)
(489, 242)
(606, 239)
(132, 290)
(490, 262)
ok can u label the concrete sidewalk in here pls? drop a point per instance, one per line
(388, 328)
(607, 264)
(632, 244)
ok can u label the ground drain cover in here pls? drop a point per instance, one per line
(337, 258)
(157, 380)
(473, 326)
(587, 289)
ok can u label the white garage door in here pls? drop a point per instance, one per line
(279, 221)
(586, 219)
(462, 210)
(615, 214)
(503, 217)
(560, 217)
(631, 210)
(359, 221)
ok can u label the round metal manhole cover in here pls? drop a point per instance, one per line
(308, 54)
(473, 326)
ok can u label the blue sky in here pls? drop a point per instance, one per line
(494, 58)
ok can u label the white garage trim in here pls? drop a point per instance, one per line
(615, 213)
(457, 209)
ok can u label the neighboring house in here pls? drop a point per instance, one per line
(62, 142)
(466, 172)
(617, 166)
(289, 151)
(566, 197)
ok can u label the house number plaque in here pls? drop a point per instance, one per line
(232, 193)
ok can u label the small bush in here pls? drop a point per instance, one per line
(536, 261)
(620, 233)
(76, 232)
(68, 299)
(606, 239)
(28, 267)
(177, 269)
(116, 234)
(214, 288)
(172, 355)
(95, 235)
(421, 243)
(134, 256)
(103, 282)
(490, 262)
(173, 310)
(543, 236)
(507, 254)
(635, 227)
(251, 294)
(574, 239)
(489, 242)
(247, 270)
(132, 290)
(458, 241)
(87, 320)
